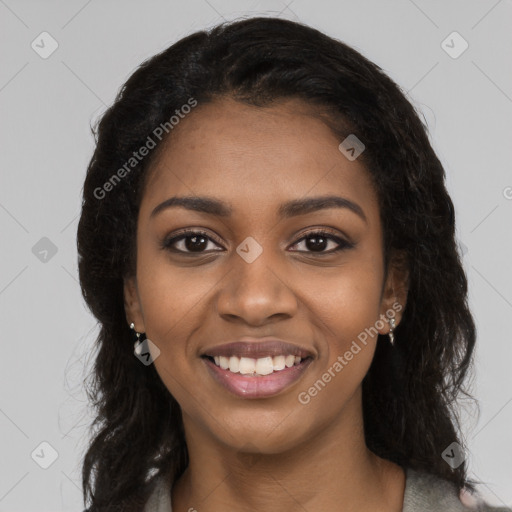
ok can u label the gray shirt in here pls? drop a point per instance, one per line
(423, 493)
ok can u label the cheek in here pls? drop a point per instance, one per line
(348, 308)
(173, 304)
(345, 309)
(172, 297)
(348, 301)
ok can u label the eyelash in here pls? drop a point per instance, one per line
(342, 244)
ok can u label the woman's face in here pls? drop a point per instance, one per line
(257, 270)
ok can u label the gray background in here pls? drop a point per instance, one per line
(47, 106)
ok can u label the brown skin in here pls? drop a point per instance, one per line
(308, 457)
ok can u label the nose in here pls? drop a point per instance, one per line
(256, 293)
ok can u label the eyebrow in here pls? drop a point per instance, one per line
(289, 209)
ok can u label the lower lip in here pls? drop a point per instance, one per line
(257, 387)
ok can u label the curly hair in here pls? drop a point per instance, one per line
(410, 391)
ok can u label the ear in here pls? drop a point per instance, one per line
(394, 294)
(132, 306)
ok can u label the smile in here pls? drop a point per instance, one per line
(256, 378)
(256, 367)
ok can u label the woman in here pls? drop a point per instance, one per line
(268, 244)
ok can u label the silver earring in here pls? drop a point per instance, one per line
(132, 326)
(392, 326)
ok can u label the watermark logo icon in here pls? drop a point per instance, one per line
(453, 455)
(351, 147)
(249, 249)
(146, 351)
(44, 45)
(249, 455)
(44, 455)
(44, 250)
(454, 45)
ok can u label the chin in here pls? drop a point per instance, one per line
(269, 434)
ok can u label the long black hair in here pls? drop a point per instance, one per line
(410, 391)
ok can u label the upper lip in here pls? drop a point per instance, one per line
(257, 348)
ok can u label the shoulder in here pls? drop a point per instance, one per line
(160, 497)
(425, 492)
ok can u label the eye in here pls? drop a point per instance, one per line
(190, 241)
(196, 241)
(318, 241)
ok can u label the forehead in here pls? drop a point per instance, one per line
(252, 156)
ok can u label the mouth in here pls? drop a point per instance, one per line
(251, 367)
(257, 369)
(255, 382)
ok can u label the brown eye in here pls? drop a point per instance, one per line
(319, 241)
(189, 242)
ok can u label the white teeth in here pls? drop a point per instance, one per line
(247, 365)
(265, 366)
(260, 366)
(278, 363)
(234, 364)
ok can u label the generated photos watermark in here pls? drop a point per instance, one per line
(304, 397)
(158, 133)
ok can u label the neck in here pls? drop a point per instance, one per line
(332, 470)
